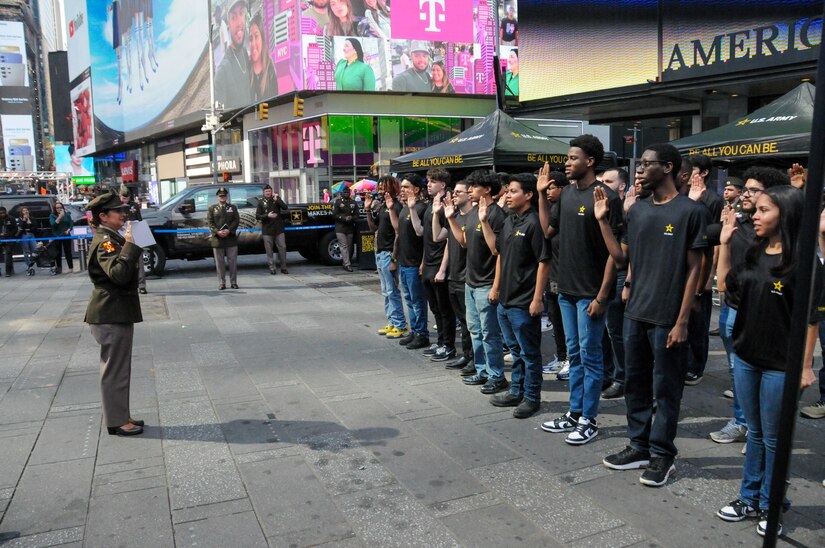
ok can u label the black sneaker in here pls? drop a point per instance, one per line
(469, 370)
(419, 341)
(762, 525)
(692, 379)
(475, 380)
(431, 350)
(736, 510)
(527, 408)
(615, 390)
(506, 400)
(404, 341)
(494, 387)
(565, 423)
(658, 471)
(457, 364)
(443, 354)
(626, 459)
(585, 431)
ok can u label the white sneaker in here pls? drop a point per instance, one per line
(546, 325)
(508, 358)
(564, 372)
(553, 366)
(585, 431)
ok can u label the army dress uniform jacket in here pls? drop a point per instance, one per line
(271, 227)
(345, 213)
(219, 216)
(113, 269)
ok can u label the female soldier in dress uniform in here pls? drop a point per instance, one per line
(114, 308)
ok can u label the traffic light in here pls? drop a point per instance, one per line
(263, 111)
(297, 107)
(225, 177)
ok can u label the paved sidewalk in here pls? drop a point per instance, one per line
(276, 416)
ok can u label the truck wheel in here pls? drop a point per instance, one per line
(328, 251)
(154, 260)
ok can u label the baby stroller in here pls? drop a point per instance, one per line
(43, 257)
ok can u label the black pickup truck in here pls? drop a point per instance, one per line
(178, 224)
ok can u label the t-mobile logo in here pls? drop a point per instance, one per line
(431, 17)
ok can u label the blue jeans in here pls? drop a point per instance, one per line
(393, 308)
(482, 322)
(727, 317)
(522, 335)
(29, 245)
(413, 292)
(653, 371)
(583, 336)
(760, 393)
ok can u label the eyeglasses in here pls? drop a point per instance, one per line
(752, 191)
(644, 164)
(457, 192)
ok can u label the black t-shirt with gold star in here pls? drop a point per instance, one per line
(659, 237)
(521, 247)
(481, 263)
(582, 251)
(410, 245)
(762, 327)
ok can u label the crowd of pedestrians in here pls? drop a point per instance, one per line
(624, 272)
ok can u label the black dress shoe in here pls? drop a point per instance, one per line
(118, 431)
(475, 380)
(284, 271)
(404, 341)
(506, 400)
(469, 369)
(615, 390)
(493, 387)
(457, 364)
(419, 341)
(273, 272)
(222, 287)
(234, 286)
(527, 408)
(136, 422)
(348, 268)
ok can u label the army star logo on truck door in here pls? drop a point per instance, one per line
(296, 216)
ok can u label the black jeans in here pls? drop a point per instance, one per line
(653, 371)
(614, 322)
(456, 291)
(63, 247)
(438, 297)
(698, 326)
(554, 313)
(7, 249)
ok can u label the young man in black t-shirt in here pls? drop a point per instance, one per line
(410, 253)
(663, 247)
(434, 268)
(586, 280)
(480, 241)
(521, 273)
(712, 204)
(378, 218)
(456, 267)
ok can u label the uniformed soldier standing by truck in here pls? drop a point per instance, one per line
(114, 308)
(133, 214)
(271, 211)
(345, 211)
(223, 221)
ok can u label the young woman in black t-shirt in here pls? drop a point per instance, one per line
(765, 284)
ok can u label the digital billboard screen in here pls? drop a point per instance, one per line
(566, 49)
(701, 38)
(15, 103)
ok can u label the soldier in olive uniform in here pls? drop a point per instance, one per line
(345, 212)
(133, 214)
(271, 212)
(114, 308)
(223, 220)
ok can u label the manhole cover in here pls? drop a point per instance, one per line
(327, 285)
(153, 307)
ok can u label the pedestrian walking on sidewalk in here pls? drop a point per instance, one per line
(114, 308)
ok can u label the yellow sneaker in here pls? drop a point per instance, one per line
(396, 333)
(384, 330)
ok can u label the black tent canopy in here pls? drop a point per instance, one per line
(779, 129)
(497, 141)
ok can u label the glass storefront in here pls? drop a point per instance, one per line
(303, 158)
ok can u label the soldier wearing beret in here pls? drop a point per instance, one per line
(133, 214)
(114, 308)
(223, 220)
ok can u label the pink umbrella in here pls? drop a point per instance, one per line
(364, 185)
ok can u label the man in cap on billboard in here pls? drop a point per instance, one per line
(317, 11)
(223, 220)
(233, 69)
(416, 78)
